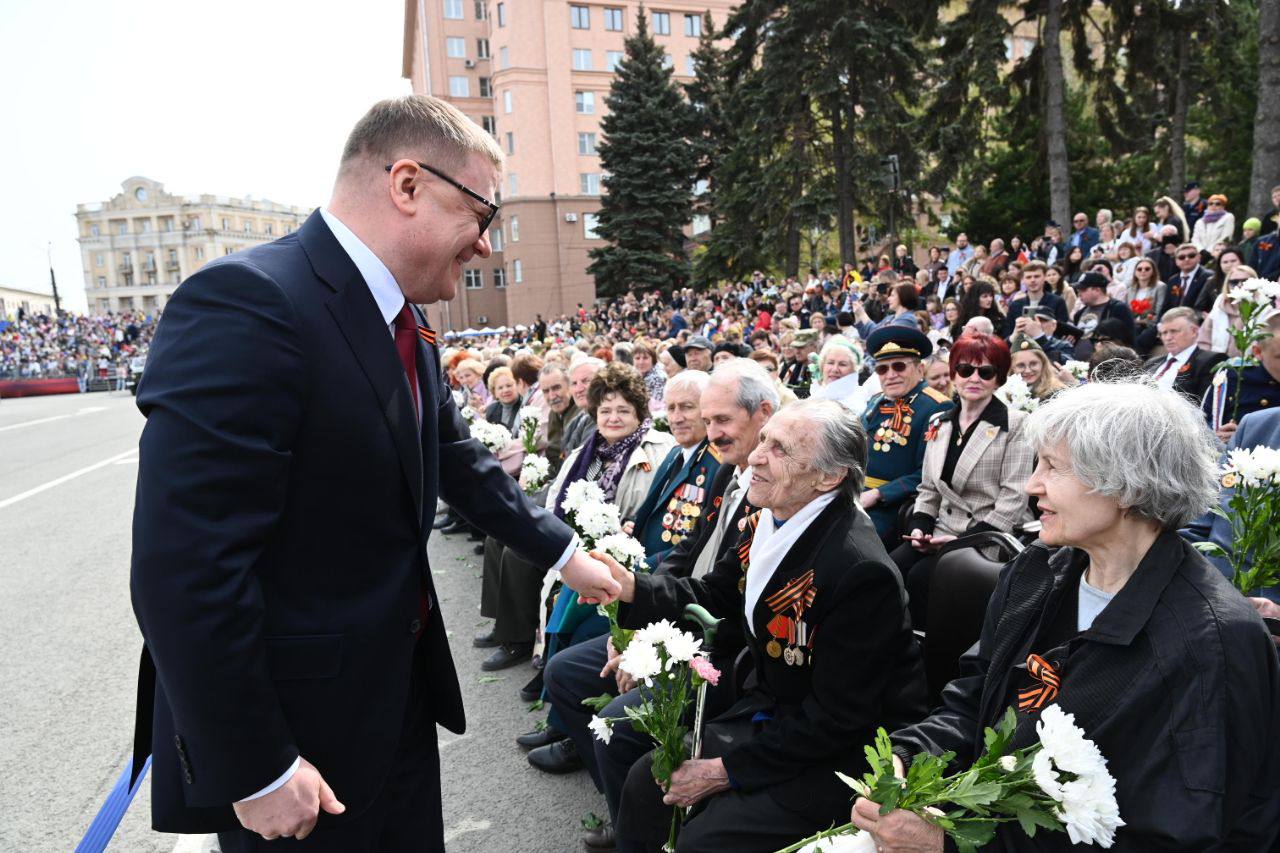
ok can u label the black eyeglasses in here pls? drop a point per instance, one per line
(985, 371)
(896, 366)
(1188, 257)
(493, 208)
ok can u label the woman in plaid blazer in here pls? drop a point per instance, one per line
(976, 464)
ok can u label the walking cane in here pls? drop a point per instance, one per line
(709, 624)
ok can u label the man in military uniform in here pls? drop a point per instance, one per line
(1259, 386)
(796, 373)
(895, 420)
(683, 480)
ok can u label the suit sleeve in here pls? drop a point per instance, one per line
(473, 483)
(1015, 469)
(662, 595)
(224, 395)
(928, 501)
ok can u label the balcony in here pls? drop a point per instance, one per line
(149, 265)
(171, 265)
(126, 267)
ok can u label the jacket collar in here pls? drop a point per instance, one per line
(996, 413)
(1131, 609)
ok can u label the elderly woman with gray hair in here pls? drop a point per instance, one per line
(1119, 622)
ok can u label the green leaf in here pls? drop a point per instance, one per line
(538, 705)
(540, 726)
(595, 703)
(490, 679)
(592, 821)
(1212, 549)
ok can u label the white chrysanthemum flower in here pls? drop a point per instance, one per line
(597, 520)
(1016, 394)
(1087, 802)
(1256, 290)
(1257, 466)
(641, 661)
(579, 493)
(1079, 369)
(681, 647)
(1008, 763)
(657, 633)
(534, 468)
(527, 415)
(602, 729)
(493, 436)
(623, 548)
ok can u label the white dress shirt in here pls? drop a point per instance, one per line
(1166, 378)
(390, 300)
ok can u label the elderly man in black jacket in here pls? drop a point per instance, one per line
(824, 615)
(1164, 665)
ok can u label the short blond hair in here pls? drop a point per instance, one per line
(418, 126)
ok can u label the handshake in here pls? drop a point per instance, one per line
(594, 580)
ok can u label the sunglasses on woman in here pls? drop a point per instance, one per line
(985, 372)
(895, 366)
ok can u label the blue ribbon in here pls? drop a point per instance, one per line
(112, 812)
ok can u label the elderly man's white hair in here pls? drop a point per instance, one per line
(695, 381)
(753, 383)
(591, 360)
(1145, 447)
(981, 325)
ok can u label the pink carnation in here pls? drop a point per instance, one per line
(705, 670)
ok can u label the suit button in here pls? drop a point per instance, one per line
(415, 626)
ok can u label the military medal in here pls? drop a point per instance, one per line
(666, 536)
(700, 479)
(773, 649)
(789, 656)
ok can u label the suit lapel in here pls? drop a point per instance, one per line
(983, 435)
(656, 499)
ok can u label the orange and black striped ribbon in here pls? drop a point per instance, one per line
(1044, 691)
(744, 548)
(899, 408)
(428, 334)
(797, 595)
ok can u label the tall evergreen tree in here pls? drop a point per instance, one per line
(650, 174)
(707, 94)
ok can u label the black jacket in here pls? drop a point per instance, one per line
(284, 500)
(1193, 377)
(1191, 296)
(861, 666)
(1177, 682)
(1048, 299)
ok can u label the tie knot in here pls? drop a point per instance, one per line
(405, 321)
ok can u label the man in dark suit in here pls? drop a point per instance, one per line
(1083, 234)
(1184, 367)
(298, 434)
(824, 616)
(580, 672)
(1186, 285)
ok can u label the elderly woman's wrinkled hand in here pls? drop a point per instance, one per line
(897, 832)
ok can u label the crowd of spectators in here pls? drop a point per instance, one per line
(39, 346)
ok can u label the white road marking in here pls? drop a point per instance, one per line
(7, 502)
(35, 422)
(194, 843)
(89, 410)
(133, 461)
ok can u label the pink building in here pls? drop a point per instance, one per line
(536, 75)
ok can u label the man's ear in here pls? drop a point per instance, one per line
(402, 186)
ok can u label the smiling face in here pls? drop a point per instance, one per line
(1072, 515)
(836, 364)
(555, 390)
(1027, 365)
(900, 375)
(731, 428)
(938, 376)
(684, 416)
(783, 478)
(579, 380)
(616, 418)
(504, 389)
(642, 362)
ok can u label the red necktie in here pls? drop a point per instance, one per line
(1168, 364)
(407, 346)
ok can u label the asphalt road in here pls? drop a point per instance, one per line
(69, 650)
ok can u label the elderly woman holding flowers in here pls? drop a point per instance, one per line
(1165, 667)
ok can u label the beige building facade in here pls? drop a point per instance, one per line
(29, 301)
(536, 76)
(138, 246)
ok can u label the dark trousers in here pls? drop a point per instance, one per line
(405, 817)
(510, 593)
(731, 820)
(916, 569)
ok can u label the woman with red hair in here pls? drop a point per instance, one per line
(976, 463)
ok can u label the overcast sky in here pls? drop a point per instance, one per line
(239, 97)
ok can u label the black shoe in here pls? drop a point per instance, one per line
(532, 690)
(546, 737)
(478, 550)
(508, 655)
(477, 536)
(599, 839)
(485, 640)
(442, 522)
(455, 527)
(559, 757)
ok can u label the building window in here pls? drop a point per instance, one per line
(456, 48)
(693, 25)
(127, 259)
(504, 57)
(102, 281)
(122, 229)
(195, 223)
(271, 229)
(95, 231)
(499, 278)
(226, 250)
(453, 10)
(612, 59)
(661, 24)
(459, 87)
(589, 183)
(517, 271)
(581, 59)
(587, 143)
(173, 256)
(473, 279)
(167, 224)
(482, 10)
(98, 259)
(515, 229)
(584, 102)
(482, 48)
(590, 222)
(511, 142)
(495, 239)
(226, 224)
(485, 91)
(613, 19)
(199, 253)
(502, 14)
(667, 61)
(248, 227)
(144, 226)
(580, 17)
(490, 124)
(511, 184)
(690, 65)
(507, 102)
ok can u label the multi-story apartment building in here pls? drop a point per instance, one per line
(536, 76)
(137, 247)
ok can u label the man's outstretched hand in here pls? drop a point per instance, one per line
(591, 578)
(290, 811)
(626, 580)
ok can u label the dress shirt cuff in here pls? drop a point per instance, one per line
(279, 783)
(568, 552)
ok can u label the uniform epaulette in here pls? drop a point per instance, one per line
(936, 395)
(714, 451)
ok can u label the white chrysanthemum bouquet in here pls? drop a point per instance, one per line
(669, 667)
(493, 436)
(1016, 394)
(1078, 369)
(534, 473)
(599, 527)
(527, 421)
(1255, 299)
(1060, 783)
(1253, 512)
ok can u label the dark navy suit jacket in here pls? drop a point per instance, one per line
(285, 496)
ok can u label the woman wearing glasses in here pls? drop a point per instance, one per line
(976, 464)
